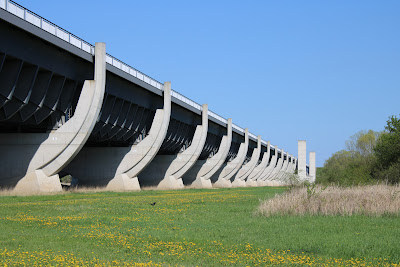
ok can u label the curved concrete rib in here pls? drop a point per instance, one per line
(280, 175)
(211, 165)
(289, 171)
(261, 181)
(185, 160)
(276, 170)
(117, 167)
(258, 170)
(142, 154)
(294, 165)
(49, 153)
(232, 167)
(247, 168)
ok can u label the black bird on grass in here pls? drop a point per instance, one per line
(154, 203)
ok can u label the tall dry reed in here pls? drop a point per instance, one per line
(373, 200)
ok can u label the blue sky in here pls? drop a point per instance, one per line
(288, 70)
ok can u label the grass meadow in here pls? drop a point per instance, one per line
(216, 227)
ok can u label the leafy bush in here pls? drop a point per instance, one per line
(387, 151)
(352, 166)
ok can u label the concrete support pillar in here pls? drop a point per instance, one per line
(312, 168)
(186, 159)
(302, 159)
(166, 171)
(117, 168)
(252, 179)
(282, 172)
(31, 162)
(207, 168)
(280, 178)
(276, 170)
(247, 168)
(232, 167)
(261, 181)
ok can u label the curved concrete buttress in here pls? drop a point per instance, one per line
(147, 157)
(232, 167)
(211, 165)
(280, 175)
(117, 167)
(247, 168)
(185, 160)
(144, 152)
(47, 154)
(264, 175)
(258, 170)
(276, 170)
(294, 165)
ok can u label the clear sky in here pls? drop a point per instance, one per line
(288, 70)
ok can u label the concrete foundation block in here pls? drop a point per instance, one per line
(261, 183)
(251, 183)
(170, 183)
(238, 183)
(222, 183)
(123, 182)
(200, 182)
(38, 182)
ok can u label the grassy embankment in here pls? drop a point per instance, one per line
(188, 227)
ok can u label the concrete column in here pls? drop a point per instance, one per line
(117, 168)
(186, 159)
(302, 159)
(247, 168)
(252, 179)
(209, 167)
(33, 160)
(232, 167)
(312, 167)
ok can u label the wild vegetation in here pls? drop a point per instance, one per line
(371, 200)
(215, 227)
(369, 157)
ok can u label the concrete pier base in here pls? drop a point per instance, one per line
(201, 182)
(261, 183)
(251, 183)
(123, 182)
(170, 183)
(38, 182)
(222, 183)
(238, 183)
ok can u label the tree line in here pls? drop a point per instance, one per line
(369, 157)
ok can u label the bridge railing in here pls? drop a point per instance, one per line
(68, 37)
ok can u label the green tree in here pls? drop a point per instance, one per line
(387, 152)
(353, 165)
(363, 142)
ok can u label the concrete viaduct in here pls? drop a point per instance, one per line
(67, 107)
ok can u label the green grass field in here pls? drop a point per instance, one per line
(185, 228)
